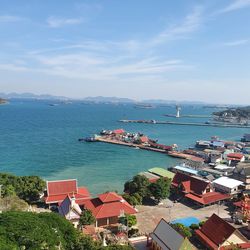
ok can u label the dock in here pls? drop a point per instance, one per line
(129, 144)
(187, 123)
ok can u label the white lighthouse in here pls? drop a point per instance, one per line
(178, 109)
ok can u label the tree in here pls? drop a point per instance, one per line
(26, 230)
(134, 199)
(86, 218)
(128, 220)
(139, 184)
(181, 229)
(160, 189)
(28, 188)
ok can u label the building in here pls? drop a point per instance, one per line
(165, 237)
(234, 158)
(161, 172)
(228, 185)
(108, 207)
(216, 233)
(70, 210)
(197, 189)
(185, 170)
(242, 173)
(58, 190)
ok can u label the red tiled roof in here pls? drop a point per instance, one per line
(235, 155)
(205, 240)
(208, 198)
(109, 197)
(118, 131)
(216, 230)
(196, 185)
(59, 198)
(108, 208)
(61, 187)
(83, 191)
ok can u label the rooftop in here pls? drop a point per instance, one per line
(162, 172)
(187, 169)
(228, 182)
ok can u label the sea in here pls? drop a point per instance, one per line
(40, 137)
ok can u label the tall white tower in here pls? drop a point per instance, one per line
(178, 109)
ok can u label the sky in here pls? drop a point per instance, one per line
(196, 50)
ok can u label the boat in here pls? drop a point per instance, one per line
(88, 139)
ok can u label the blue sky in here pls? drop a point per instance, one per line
(178, 50)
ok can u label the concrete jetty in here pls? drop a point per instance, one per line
(187, 123)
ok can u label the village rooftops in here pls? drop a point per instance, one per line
(228, 182)
(162, 172)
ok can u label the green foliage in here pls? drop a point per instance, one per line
(86, 243)
(128, 220)
(27, 188)
(13, 203)
(25, 230)
(160, 189)
(132, 232)
(194, 226)
(134, 199)
(202, 223)
(183, 230)
(139, 184)
(86, 218)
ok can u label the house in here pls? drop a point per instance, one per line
(70, 210)
(185, 170)
(197, 189)
(242, 173)
(108, 207)
(228, 185)
(165, 237)
(216, 233)
(58, 190)
(234, 158)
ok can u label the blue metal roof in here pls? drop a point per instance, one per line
(188, 221)
(188, 170)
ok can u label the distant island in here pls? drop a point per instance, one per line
(240, 115)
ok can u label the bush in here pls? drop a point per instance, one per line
(183, 230)
(194, 226)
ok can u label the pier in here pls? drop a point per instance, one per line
(129, 144)
(187, 123)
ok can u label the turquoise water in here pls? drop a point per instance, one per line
(38, 139)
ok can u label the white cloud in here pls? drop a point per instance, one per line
(56, 22)
(13, 67)
(9, 18)
(236, 43)
(235, 5)
(190, 24)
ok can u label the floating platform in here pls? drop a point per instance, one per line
(187, 123)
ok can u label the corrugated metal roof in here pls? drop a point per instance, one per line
(188, 170)
(162, 172)
(227, 182)
(166, 237)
